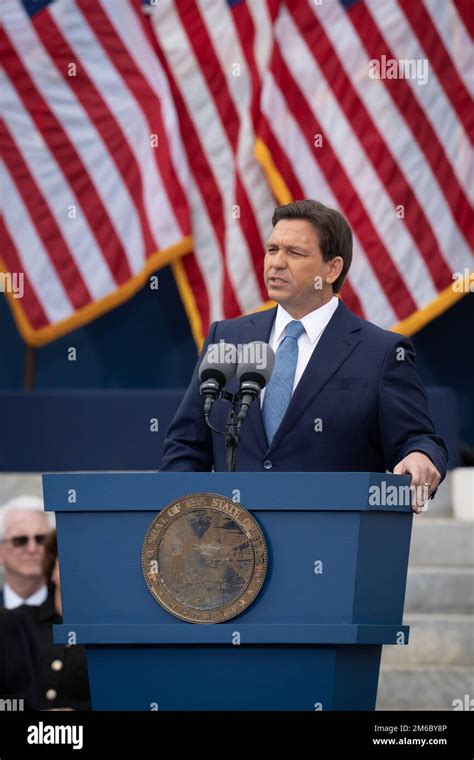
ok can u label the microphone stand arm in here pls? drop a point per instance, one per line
(245, 396)
(231, 439)
(232, 427)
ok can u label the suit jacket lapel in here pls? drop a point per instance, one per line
(338, 340)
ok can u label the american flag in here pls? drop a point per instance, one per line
(95, 178)
(393, 154)
(364, 105)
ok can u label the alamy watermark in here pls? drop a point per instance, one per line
(399, 68)
(12, 705)
(464, 703)
(463, 282)
(43, 733)
(12, 282)
(241, 353)
(384, 495)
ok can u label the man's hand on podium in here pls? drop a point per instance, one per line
(424, 477)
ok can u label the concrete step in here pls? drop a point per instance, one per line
(441, 541)
(441, 506)
(434, 640)
(426, 687)
(440, 590)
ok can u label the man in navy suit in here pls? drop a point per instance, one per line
(344, 395)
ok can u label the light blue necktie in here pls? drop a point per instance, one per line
(280, 388)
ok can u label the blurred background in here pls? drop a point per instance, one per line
(145, 146)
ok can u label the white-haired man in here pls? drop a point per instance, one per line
(23, 527)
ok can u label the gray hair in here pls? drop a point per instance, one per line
(24, 503)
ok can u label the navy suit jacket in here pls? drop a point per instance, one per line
(359, 406)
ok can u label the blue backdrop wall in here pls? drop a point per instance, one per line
(147, 343)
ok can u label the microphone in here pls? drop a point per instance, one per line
(215, 371)
(256, 361)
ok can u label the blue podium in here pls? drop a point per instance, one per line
(338, 546)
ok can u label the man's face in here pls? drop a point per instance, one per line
(24, 561)
(294, 270)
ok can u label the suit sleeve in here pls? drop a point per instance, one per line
(188, 442)
(404, 419)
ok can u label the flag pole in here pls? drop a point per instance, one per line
(29, 375)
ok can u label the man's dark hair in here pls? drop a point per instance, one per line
(334, 233)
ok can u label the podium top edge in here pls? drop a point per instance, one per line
(153, 491)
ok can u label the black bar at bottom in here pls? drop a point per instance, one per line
(131, 734)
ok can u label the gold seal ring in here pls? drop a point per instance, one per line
(204, 558)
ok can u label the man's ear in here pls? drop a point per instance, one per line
(335, 266)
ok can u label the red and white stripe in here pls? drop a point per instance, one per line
(307, 180)
(87, 199)
(427, 214)
(203, 49)
(386, 143)
(98, 199)
(304, 70)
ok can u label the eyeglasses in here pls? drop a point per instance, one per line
(18, 541)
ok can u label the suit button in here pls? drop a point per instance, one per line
(56, 665)
(51, 694)
(267, 464)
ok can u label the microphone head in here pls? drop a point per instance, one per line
(219, 363)
(256, 361)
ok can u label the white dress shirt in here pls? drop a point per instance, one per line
(11, 600)
(314, 324)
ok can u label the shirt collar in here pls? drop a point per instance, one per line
(12, 600)
(314, 323)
